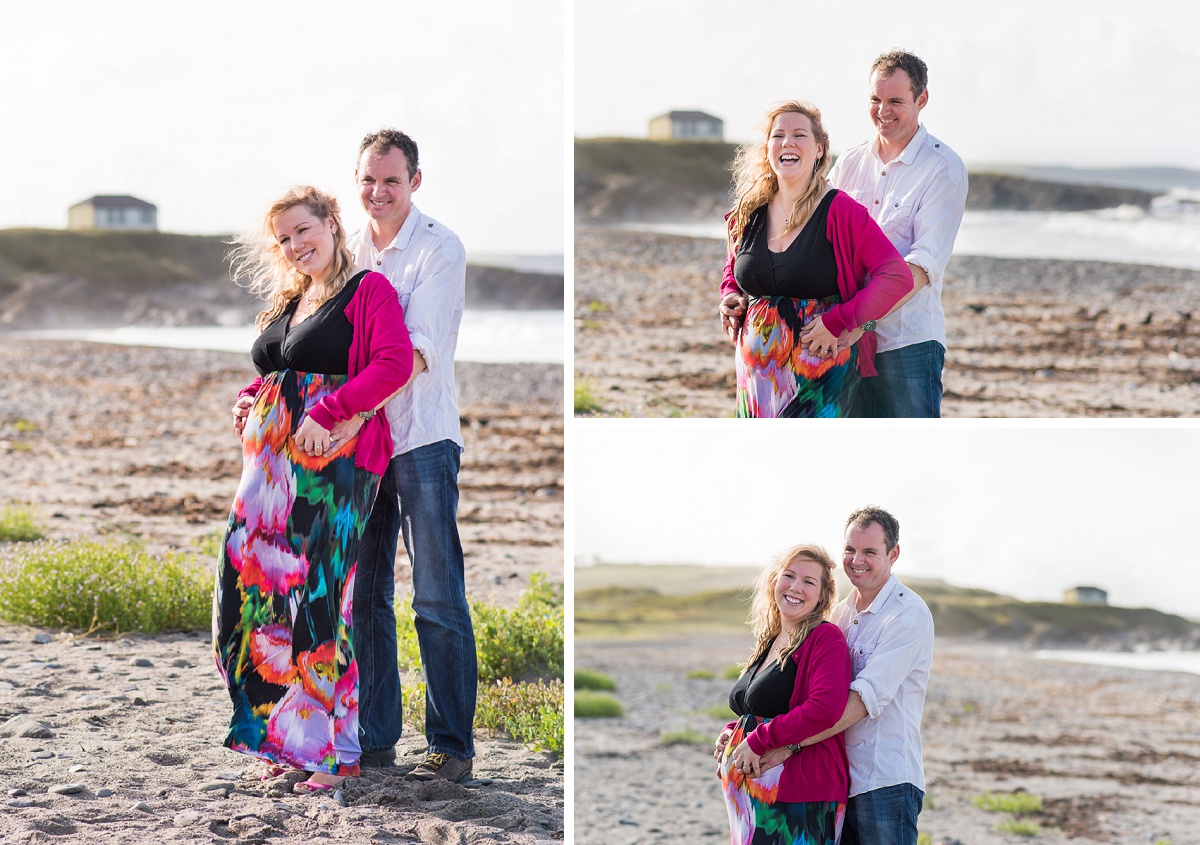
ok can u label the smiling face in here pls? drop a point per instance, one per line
(797, 590)
(894, 110)
(792, 148)
(867, 561)
(307, 241)
(385, 187)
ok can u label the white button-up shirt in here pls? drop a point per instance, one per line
(918, 200)
(891, 651)
(427, 265)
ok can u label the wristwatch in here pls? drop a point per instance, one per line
(868, 326)
(366, 415)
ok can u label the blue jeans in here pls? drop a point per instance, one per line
(418, 497)
(884, 816)
(908, 384)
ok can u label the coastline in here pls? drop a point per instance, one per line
(1112, 753)
(1026, 337)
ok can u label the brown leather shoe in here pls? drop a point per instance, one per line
(442, 766)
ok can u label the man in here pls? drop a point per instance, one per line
(418, 495)
(915, 187)
(890, 633)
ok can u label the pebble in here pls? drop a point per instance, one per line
(38, 665)
(127, 687)
(42, 755)
(104, 793)
(43, 638)
(17, 793)
(143, 662)
(21, 802)
(76, 769)
(142, 806)
(187, 817)
(25, 726)
(180, 663)
(214, 785)
(233, 776)
(140, 702)
(67, 788)
(6, 685)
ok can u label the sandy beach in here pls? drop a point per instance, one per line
(126, 441)
(1026, 337)
(1113, 753)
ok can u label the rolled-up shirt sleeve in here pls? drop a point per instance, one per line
(904, 643)
(936, 222)
(431, 310)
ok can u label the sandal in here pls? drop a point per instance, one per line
(273, 772)
(311, 785)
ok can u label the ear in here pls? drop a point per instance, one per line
(893, 554)
(923, 99)
(416, 180)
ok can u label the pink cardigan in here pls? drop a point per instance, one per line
(872, 275)
(381, 360)
(817, 772)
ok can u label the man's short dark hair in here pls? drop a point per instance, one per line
(889, 63)
(863, 517)
(388, 139)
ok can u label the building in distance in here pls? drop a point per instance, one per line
(686, 126)
(1085, 595)
(119, 213)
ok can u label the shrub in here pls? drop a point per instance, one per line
(1008, 802)
(111, 586)
(19, 524)
(701, 675)
(685, 737)
(721, 711)
(597, 705)
(529, 713)
(1020, 828)
(523, 642)
(586, 401)
(591, 679)
(732, 673)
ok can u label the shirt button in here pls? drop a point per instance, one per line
(877, 202)
(377, 263)
(855, 621)
(883, 173)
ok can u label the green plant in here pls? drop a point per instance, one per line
(522, 642)
(19, 524)
(924, 839)
(732, 673)
(597, 705)
(685, 737)
(701, 675)
(591, 679)
(1008, 802)
(1020, 828)
(112, 586)
(531, 713)
(585, 398)
(25, 426)
(209, 546)
(720, 711)
(597, 307)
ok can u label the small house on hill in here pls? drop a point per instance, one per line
(122, 213)
(686, 126)
(1085, 595)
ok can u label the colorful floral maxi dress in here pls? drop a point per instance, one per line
(776, 376)
(282, 619)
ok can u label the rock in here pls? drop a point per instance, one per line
(27, 727)
(43, 639)
(143, 662)
(67, 788)
(21, 802)
(142, 807)
(17, 793)
(104, 793)
(212, 785)
(127, 687)
(76, 769)
(186, 818)
(42, 755)
(231, 776)
(181, 663)
(140, 702)
(38, 666)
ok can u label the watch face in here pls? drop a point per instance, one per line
(869, 326)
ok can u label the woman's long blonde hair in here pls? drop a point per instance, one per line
(755, 182)
(258, 264)
(764, 613)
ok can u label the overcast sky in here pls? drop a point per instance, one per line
(1028, 511)
(1096, 83)
(211, 110)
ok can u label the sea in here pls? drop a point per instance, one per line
(1149, 661)
(498, 337)
(1165, 235)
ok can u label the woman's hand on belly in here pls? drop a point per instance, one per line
(733, 314)
(818, 340)
(241, 410)
(346, 429)
(311, 438)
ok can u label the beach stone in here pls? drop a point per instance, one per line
(214, 785)
(143, 662)
(42, 755)
(27, 727)
(21, 802)
(186, 818)
(17, 793)
(67, 788)
(6, 685)
(76, 769)
(181, 663)
(38, 666)
(142, 807)
(127, 687)
(43, 638)
(233, 776)
(104, 793)
(140, 702)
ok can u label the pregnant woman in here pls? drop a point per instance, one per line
(794, 686)
(806, 264)
(332, 345)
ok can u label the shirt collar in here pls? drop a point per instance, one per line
(909, 154)
(881, 598)
(404, 236)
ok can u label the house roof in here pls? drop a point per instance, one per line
(690, 115)
(116, 201)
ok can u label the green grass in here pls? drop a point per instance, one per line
(720, 711)
(1019, 827)
(522, 643)
(103, 586)
(593, 680)
(520, 655)
(685, 737)
(732, 673)
(924, 839)
(680, 163)
(597, 307)
(26, 427)
(701, 675)
(19, 524)
(1008, 802)
(586, 401)
(597, 705)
